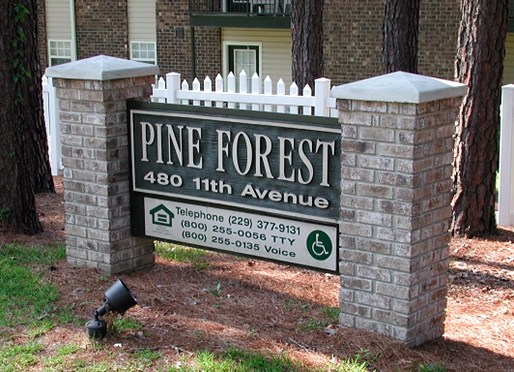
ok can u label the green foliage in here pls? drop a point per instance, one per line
(65, 350)
(14, 357)
(196, 257)
(289, 305)
(36, 255)
(124, 323)
(366, 355)
(102, 278)
(313, 325)
(4, 213)
(147, 357)
(20, 11)
(20, 73)
(351, 365)
(25, 296)
(217, 291)
(236, 360)
(438, 367)
(40, 328)
(332, 313)
(329, 315)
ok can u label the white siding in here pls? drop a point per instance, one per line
(141, 20)
(58, 20)
(508, 64)
(276, 50)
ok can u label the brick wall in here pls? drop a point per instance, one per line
(102, 28)
(41, 25)
(96, 176)
(352, 44)
(395, 215)
(174, 52)
(438, 34)
(353, 39)
(208, 52)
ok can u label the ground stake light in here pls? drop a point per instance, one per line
(118, 299)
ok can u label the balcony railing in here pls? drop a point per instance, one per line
(242, 7)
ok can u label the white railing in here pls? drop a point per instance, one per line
(53, 130)
(506, 185)
(172, 91)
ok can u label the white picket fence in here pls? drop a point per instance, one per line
(225, 94)
(53, 128)
(506, 184)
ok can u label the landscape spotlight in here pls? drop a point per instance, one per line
(118, 299)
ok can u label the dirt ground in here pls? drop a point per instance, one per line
(262, 306)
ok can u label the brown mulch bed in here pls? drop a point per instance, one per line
(262, 306)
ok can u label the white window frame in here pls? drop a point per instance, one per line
(226, 47)
(67, 54)
(144, 59)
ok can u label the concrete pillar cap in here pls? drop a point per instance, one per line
(401, 87)
(101, 68)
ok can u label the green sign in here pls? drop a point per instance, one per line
(276, 168)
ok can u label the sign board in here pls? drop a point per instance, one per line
(251, 183)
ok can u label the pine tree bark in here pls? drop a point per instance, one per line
(479, 65)
(307, 41)
(400, 36)
(38, 156)
(22, 130)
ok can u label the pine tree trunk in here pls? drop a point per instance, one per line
(479, 65)
(307, 41)
(17, 127)
(38, 152)
(400, 36)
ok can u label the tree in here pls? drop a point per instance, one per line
(479, 65)
(24, 161)
(400, 36)
(307, 41)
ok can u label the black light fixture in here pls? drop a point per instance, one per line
(118, 299)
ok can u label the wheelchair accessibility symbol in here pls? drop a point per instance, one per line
(319, 245)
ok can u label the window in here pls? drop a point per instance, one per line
(244, 57)
(143, 51)
(59, 52)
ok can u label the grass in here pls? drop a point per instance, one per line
(124, 323)
(196, 257)
(28, 311)
(25, 296)
(236, 360)
(438, 367)
(329, 315)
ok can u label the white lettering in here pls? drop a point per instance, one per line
(261, 155)
(287, 197)
(283, 157)
(159, 143)
(305, 161)
(146, 138)
(177, 145)
(194, 145)
(249, 190)
(324, 169)
(249, 153)
(222, 149)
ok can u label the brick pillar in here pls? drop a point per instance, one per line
(395, 203)
(92, 100)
